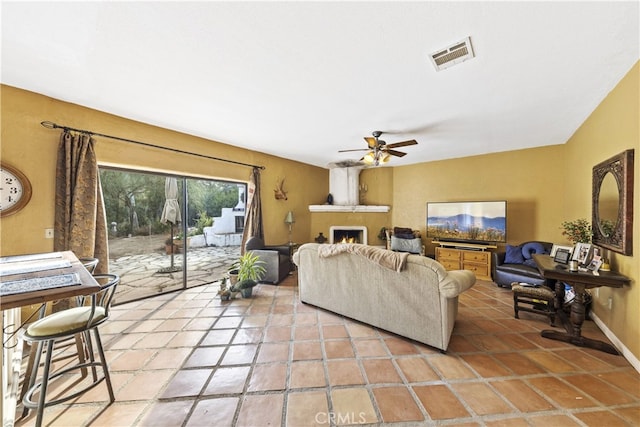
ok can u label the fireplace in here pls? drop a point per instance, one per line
(348, 234)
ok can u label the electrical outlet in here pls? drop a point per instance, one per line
(48, 233)
(610, 303)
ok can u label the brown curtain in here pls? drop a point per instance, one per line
(253, 211)
(80, 220)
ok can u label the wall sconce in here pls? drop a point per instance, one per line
(289, 220)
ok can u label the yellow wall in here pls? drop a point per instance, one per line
(32, 148)
(612, 128)
(543, 186)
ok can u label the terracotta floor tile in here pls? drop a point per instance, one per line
(461, 344)
(120, 414)
(248, 336)
(306, 332)
(334, 331)
(308, 408)
(186, 382)
(186, 339)
(281, 320)
(200, 323)
(631, 414)
(263, 410)
(310, 318)
(344, 372)
(396, 404)
(268, 377)
(175, 324)
(628, 380)
(562, 394)
(451, 368)
(218, 337)
(380, 371)
(482, 399)
(124, 341)
(146, 326)
(168, 358)
(166, 414)
(227, 380)
(144, 386)
(255, 321)
(486, 342)
(273, 352)
(131, 360)
(239, 354)
(439, 402)
(549, 361)
(508, 422)
(307, 350)
(219, 411)
(416, 369)
(353, 406)
(277, 333)
(598, 389)
(307, 374)
(400, 347)
(227, 322)
(522, 396)
(600, 418)
(359, 330)
(338, 349)
(370, 347)
(552, 420)
(204, 356)
(486, 366)
(155, 340)
(519, 364)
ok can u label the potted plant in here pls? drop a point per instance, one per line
(249, 270)
(578, 231)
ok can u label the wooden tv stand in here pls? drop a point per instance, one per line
(465, 256)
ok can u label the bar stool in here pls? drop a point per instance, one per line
(83, 319)
(537, 299)
(81, 351)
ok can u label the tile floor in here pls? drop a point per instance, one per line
(189, 359)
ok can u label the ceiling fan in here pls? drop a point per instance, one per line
(379, 152)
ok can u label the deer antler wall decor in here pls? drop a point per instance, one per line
(280, 194)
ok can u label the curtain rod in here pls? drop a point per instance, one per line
(51, 125)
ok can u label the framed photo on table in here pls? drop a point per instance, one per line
(555, 249)
(581, 253)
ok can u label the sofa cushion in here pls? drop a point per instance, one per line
(513, 255)
(520, 269)
(406, 245)
(253, 243)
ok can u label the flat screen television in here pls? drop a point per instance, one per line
(468, 222)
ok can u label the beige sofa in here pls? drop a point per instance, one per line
(420, 301)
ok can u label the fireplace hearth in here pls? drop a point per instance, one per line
(348, 234)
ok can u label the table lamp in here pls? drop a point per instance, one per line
(289, 220)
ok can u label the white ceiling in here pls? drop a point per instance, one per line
(302, 80)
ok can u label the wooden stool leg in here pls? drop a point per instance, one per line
(515, 305)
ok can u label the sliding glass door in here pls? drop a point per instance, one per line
(170, 232)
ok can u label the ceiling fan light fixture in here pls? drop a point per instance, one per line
(369, 158)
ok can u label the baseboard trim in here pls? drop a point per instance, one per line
(631, 358)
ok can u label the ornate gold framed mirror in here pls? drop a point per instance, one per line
(612, 203)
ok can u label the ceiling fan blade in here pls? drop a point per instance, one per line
(371, 141)
(357, 149)
(402, 144)
(396, 153)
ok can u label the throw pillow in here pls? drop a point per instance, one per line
(513, 255)
(403, 233)
(406, 245)
(530, 248)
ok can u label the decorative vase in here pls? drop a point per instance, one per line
(320, 238)
(246, 292)
(329, 199)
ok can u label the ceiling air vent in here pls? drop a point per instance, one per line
(452, 55)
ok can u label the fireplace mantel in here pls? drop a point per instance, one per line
(348, 208)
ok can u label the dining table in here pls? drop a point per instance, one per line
(27, 280)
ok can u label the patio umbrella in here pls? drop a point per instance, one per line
(171, 214)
